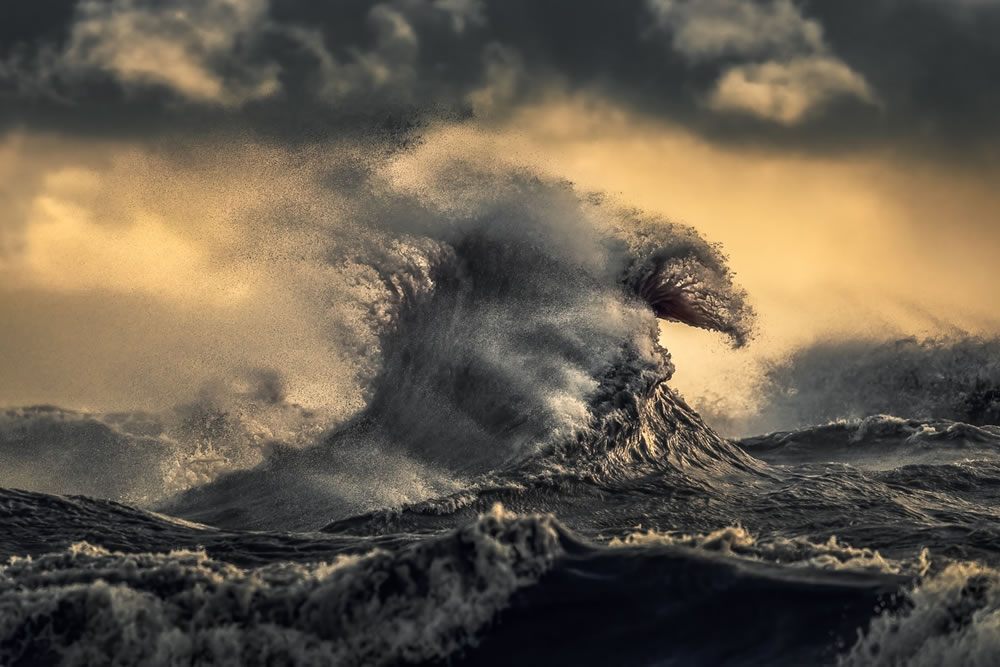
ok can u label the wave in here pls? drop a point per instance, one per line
(515, 328)
(518, 334)
(36, 524)
(142, 458)
(474, 595)
(87, 605)
(950, 620)
(790, 551)
(500, 587)
(953, 378)
(52, 450)
(878, 442)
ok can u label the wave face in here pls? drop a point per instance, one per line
(522, 485)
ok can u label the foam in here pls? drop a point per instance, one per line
(88, 605)
(795, 552)
(953, 619)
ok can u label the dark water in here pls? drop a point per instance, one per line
(523, 487)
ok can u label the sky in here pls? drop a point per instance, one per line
(164, 168)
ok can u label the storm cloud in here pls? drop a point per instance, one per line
(817, 75)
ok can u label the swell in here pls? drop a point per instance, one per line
(879, 441)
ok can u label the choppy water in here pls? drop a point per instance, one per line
(523, 487)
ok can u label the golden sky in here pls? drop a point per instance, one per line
(150, 248)
(161, 199)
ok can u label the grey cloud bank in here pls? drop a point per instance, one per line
(815, 75)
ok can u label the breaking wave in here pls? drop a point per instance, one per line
(522, 330)
(955, 379)
(142, 458)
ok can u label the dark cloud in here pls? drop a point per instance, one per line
(934, 62)
(818, 75)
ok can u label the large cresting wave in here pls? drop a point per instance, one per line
(515, 324)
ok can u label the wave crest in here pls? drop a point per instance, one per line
(683, 278)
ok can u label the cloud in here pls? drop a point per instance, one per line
(185, 260)
(765, 71)
(713, 28)
(226, 53)
(388, 67)
(201, 49)
(505, 74)
(791, 72)
(786, 92)
(463, 13)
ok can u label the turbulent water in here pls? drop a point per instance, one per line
(522, 486)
